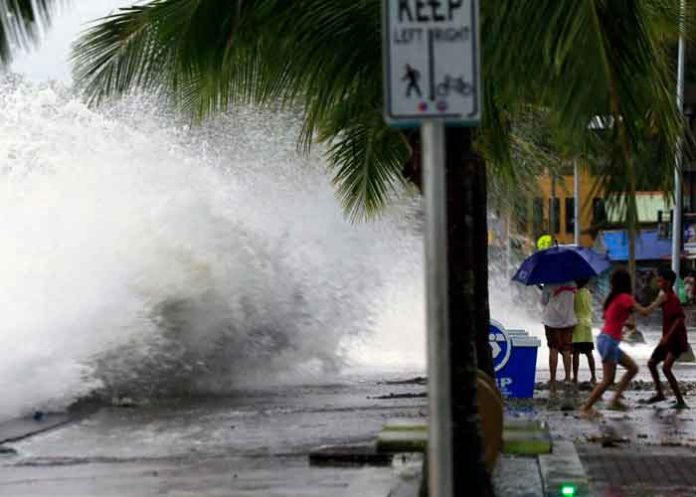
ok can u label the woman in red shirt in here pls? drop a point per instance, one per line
(617, 309)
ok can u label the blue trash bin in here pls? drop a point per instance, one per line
(514, 360)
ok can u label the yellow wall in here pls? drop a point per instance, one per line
(564, 189)
(649, 203)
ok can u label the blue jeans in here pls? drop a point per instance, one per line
(608, 348)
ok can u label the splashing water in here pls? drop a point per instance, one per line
(141, 257)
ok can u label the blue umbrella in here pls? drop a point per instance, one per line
(561, 264)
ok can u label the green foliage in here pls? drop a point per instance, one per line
(565, 60)
(600, 58)
(585, 63)
(528, 153)
(320, 56)
(20, 24)
(367, 159)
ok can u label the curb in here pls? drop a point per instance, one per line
(562, 472)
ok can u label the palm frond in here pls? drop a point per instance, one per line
(571, 58)
(585, 63)
(367, 158)
(21, 23)
(148, 46)
(302, 54)
(260, 51)
(518, 150)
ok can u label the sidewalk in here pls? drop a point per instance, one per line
(640, 471)
(649, 451)
(516, 476)
(215, 448)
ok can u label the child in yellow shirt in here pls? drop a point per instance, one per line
(582, 334)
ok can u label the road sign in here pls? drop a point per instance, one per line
(431, 61)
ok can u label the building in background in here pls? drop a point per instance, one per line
(552, 211)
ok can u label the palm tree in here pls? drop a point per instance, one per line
(20, 24)
(577, 59)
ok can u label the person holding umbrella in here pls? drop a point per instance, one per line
(556, 269)
(618, 307)
(559, 322)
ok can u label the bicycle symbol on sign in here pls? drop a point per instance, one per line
(457, 85)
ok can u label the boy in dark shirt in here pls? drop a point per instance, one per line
(674, 339)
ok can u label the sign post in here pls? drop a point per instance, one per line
(432, 78)
(437, 315)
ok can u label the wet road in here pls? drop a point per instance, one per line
(249, 444)
(647, 451)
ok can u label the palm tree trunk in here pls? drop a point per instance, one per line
(484, 358)
(413, 171)
(467, 247)
(632, 218)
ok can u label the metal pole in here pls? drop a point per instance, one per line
(576, 204)
(678, 193)
(440, 473)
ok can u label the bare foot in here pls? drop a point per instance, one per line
(617, 405)
(590, 413)
(658, 397)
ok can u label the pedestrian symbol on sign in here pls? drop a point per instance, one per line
(412, 76)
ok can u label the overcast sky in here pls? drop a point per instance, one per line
(50, 59)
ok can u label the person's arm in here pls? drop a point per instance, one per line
(646, 311)
(643, 311)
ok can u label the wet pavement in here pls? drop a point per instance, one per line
(256, 443)
(647, 451)
(630, 471)
(250, 444)
(517, 477)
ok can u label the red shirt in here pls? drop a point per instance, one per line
(617, 313)
(671, 312)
